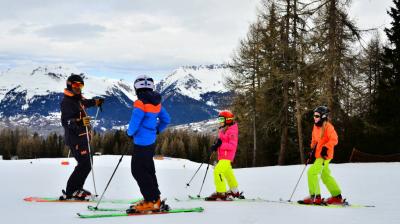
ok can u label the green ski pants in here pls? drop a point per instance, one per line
(321, 167)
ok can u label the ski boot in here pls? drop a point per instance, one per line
(233, 195)
(82, 194)
(335, 200)
(312, 200)
(148, 207)
(78, 195)
(217, 197)
(64, 196)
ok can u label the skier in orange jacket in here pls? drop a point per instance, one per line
(324, 139)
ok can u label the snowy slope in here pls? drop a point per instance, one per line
(374, 183)
(207, 126)
(193, 81)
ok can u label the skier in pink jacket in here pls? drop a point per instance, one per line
(226, 146)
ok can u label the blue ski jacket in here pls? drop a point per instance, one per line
(148, 118)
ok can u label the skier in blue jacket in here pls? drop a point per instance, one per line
(148, 119)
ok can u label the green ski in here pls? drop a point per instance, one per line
(121, 213)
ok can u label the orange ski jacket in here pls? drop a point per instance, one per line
(324, 136)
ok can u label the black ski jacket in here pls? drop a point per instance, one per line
(72, 109)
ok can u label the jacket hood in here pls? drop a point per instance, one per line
(151, 97)
(69, 93)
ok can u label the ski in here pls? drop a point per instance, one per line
(280, 201)
(195, 198)
(94, 209)
(53, 199)
(325, 205)
(123, 213)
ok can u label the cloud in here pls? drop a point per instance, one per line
(134, 35)
(71, 32)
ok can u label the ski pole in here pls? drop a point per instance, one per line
(188, 184)
(205, 175)
(109, 181)
(90, 151)
(91, 160)
(308, 160)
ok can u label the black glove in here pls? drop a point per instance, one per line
(99, 101)
(218, 143)
(324, 152)
(310, 155)
(126, 132)
(213, 148)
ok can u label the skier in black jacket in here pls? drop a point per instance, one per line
(74, 119)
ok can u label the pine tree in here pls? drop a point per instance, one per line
(386, 105)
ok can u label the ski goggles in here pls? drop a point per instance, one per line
(317, 116)
(223, 119)
(77, 85)
(144, 79)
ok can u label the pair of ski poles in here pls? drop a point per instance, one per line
(91, 164)
(205, 175)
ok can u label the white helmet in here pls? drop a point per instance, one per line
(143, 82)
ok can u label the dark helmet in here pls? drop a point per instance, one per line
(323, 111)
(74, 79)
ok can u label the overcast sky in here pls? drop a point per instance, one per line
(124, 38)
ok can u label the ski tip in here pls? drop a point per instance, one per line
(28, 199)
(90, 207)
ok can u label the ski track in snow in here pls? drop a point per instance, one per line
(371, 183)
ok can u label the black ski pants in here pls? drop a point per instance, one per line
(78, 177)
(144, 172)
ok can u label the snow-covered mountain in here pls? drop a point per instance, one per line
(30, 96)
(195, 93)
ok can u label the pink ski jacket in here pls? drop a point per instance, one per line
(229, 139)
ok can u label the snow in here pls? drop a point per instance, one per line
(206, 126)
(192, 81)
(373, 183)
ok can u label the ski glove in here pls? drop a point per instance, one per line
(219, 142)
(85, 121)
(216, 145)
(99, 101)
(128, 134)
(324, 152)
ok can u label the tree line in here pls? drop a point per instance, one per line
(172, 143)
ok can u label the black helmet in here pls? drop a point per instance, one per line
(323, 111)
(74, 79)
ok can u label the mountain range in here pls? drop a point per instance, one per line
(30, 96)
